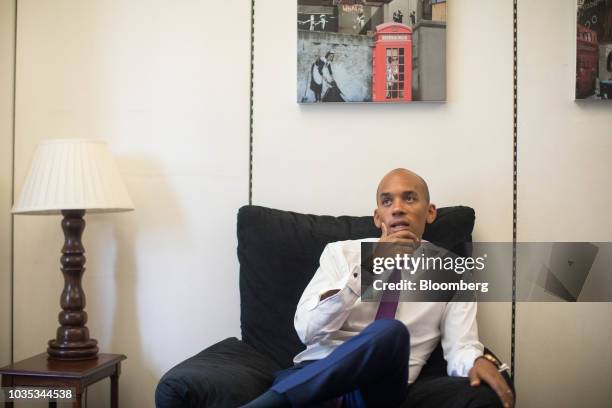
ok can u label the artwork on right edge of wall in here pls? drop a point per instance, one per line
(385, 51)
(594, 50)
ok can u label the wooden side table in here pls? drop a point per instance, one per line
(40, 371)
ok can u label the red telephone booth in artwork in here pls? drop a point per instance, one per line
(392, 63)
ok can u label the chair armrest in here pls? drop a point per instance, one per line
(229, 373)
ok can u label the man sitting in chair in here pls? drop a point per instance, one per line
(361, 354)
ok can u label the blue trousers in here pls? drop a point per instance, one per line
(368, 370)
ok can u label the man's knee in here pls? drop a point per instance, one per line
(390, 332)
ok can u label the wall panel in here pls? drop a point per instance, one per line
(328, 159)
(563, 351)
(7, 48)
(155, 80)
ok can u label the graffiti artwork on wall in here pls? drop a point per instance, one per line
(318, 22)
(322, 82)
(358, 51)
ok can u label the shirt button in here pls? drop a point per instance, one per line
(355, 275)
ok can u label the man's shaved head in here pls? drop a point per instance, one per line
(402, 203)
(403, 172)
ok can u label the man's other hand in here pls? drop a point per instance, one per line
(484, 370)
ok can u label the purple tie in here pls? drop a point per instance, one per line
(389, 299)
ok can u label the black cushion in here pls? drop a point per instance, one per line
(279, 253)
(227, 374)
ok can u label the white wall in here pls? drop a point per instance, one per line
(167, 85)
(564, 358)
(7, 41)
(328, 159)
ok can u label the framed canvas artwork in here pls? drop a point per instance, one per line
(389, 51)
(594, 50)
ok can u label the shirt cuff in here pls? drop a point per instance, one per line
(349, 292)
(463, 363)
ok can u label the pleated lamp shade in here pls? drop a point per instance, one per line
(72, 174)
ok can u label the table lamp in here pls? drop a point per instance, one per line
(72, 176)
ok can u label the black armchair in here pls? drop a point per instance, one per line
(279, 252)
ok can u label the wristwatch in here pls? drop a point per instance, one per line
(500, 366)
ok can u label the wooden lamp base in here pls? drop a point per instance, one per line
(72, 340)
(73, 351)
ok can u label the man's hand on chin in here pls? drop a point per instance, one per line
(484, 370)
(401, 237)
(403, 241)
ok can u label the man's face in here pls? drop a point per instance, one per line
(402, 203)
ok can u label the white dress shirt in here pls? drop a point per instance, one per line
(323, 325)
